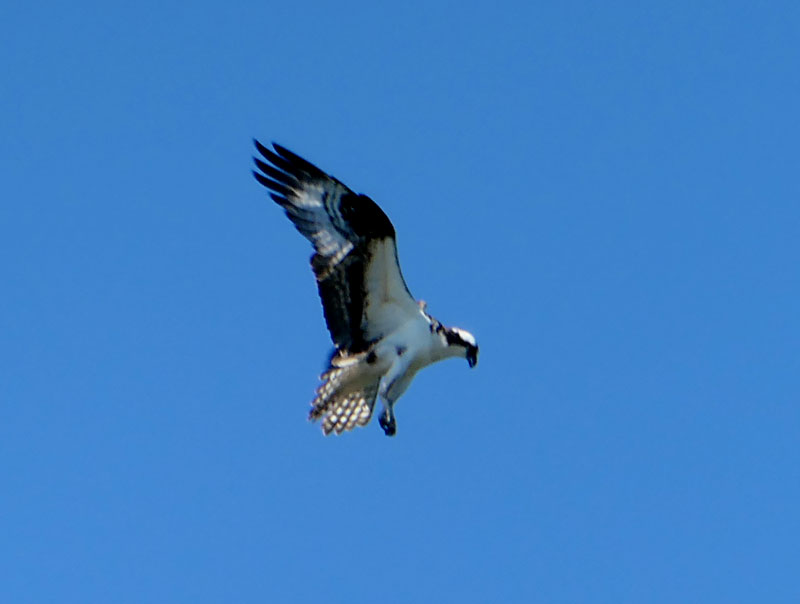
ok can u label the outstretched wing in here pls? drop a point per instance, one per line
(364, 295)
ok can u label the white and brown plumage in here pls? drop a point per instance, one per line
(382, 336)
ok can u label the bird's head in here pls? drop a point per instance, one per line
(465, 341)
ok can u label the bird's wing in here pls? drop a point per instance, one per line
(364, 295)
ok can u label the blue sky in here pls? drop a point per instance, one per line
(606, 194)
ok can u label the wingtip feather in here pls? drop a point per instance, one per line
(261, 148)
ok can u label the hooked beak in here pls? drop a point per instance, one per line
(472, 356)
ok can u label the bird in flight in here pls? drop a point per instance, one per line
(382, 335)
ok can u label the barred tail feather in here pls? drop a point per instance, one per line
(339, 404)
(354, 409)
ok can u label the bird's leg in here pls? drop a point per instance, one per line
(389, 392)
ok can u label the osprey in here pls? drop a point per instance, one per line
(382, 336)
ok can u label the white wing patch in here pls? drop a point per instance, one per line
(388, 303)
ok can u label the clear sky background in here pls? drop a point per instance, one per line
(606, 194)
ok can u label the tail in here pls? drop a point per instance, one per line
(339, 404)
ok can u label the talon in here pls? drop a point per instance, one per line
(389, 425)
